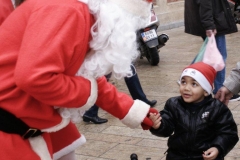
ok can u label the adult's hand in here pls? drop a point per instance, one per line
(224, 95)
(210, 32)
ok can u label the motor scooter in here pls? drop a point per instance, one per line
(149, 42)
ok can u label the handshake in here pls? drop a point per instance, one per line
(153, 119)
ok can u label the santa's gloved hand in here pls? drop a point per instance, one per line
(147, 123)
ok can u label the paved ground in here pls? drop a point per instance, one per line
(113, 140)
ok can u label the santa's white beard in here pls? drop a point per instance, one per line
(113, 45)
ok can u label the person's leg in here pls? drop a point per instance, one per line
(218, 83)
(220, 77)
(91, 115)
(92, 112)
(135, 88)
(108, 76)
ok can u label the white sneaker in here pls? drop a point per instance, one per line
(235, 98)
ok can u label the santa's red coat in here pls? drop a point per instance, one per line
(6, 8)
(43, 44)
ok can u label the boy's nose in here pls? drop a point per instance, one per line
(187, 87)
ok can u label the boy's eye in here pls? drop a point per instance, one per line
(194, 84)
(183, 82)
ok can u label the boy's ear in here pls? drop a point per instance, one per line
(206, 94)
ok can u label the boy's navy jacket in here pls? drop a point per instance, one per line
(194, 128)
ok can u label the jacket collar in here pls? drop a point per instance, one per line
(195, 106)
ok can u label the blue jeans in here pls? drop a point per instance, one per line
(221, 45)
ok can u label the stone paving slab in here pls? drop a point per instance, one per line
(114, 141)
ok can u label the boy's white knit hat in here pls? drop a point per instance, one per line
(141, 8)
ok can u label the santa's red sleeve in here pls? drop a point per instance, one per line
(6, 7)
(130, 112)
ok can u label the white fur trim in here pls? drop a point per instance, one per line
(199, 77)
(93, 95)
(64, 123)
(39, 146)
(69, 148)
(84, 1)
(136, 114)
(75, 114)
(137, 7)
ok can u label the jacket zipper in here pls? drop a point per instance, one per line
(192, 126)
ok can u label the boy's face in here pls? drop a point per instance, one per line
(191, 91)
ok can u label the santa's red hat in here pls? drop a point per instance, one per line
(203, 73)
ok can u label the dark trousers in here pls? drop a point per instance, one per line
(92, 112)
(134, 87)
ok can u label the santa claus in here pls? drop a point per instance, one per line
(53, 56)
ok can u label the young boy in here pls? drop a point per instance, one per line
(198, 126)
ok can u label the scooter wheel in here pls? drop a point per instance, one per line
(153, 56)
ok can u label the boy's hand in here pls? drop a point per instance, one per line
(156, 118)
(210, 154)
(147, 122)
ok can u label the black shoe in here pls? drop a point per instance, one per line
(234, 98)
(95, 119)
(152, 103)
